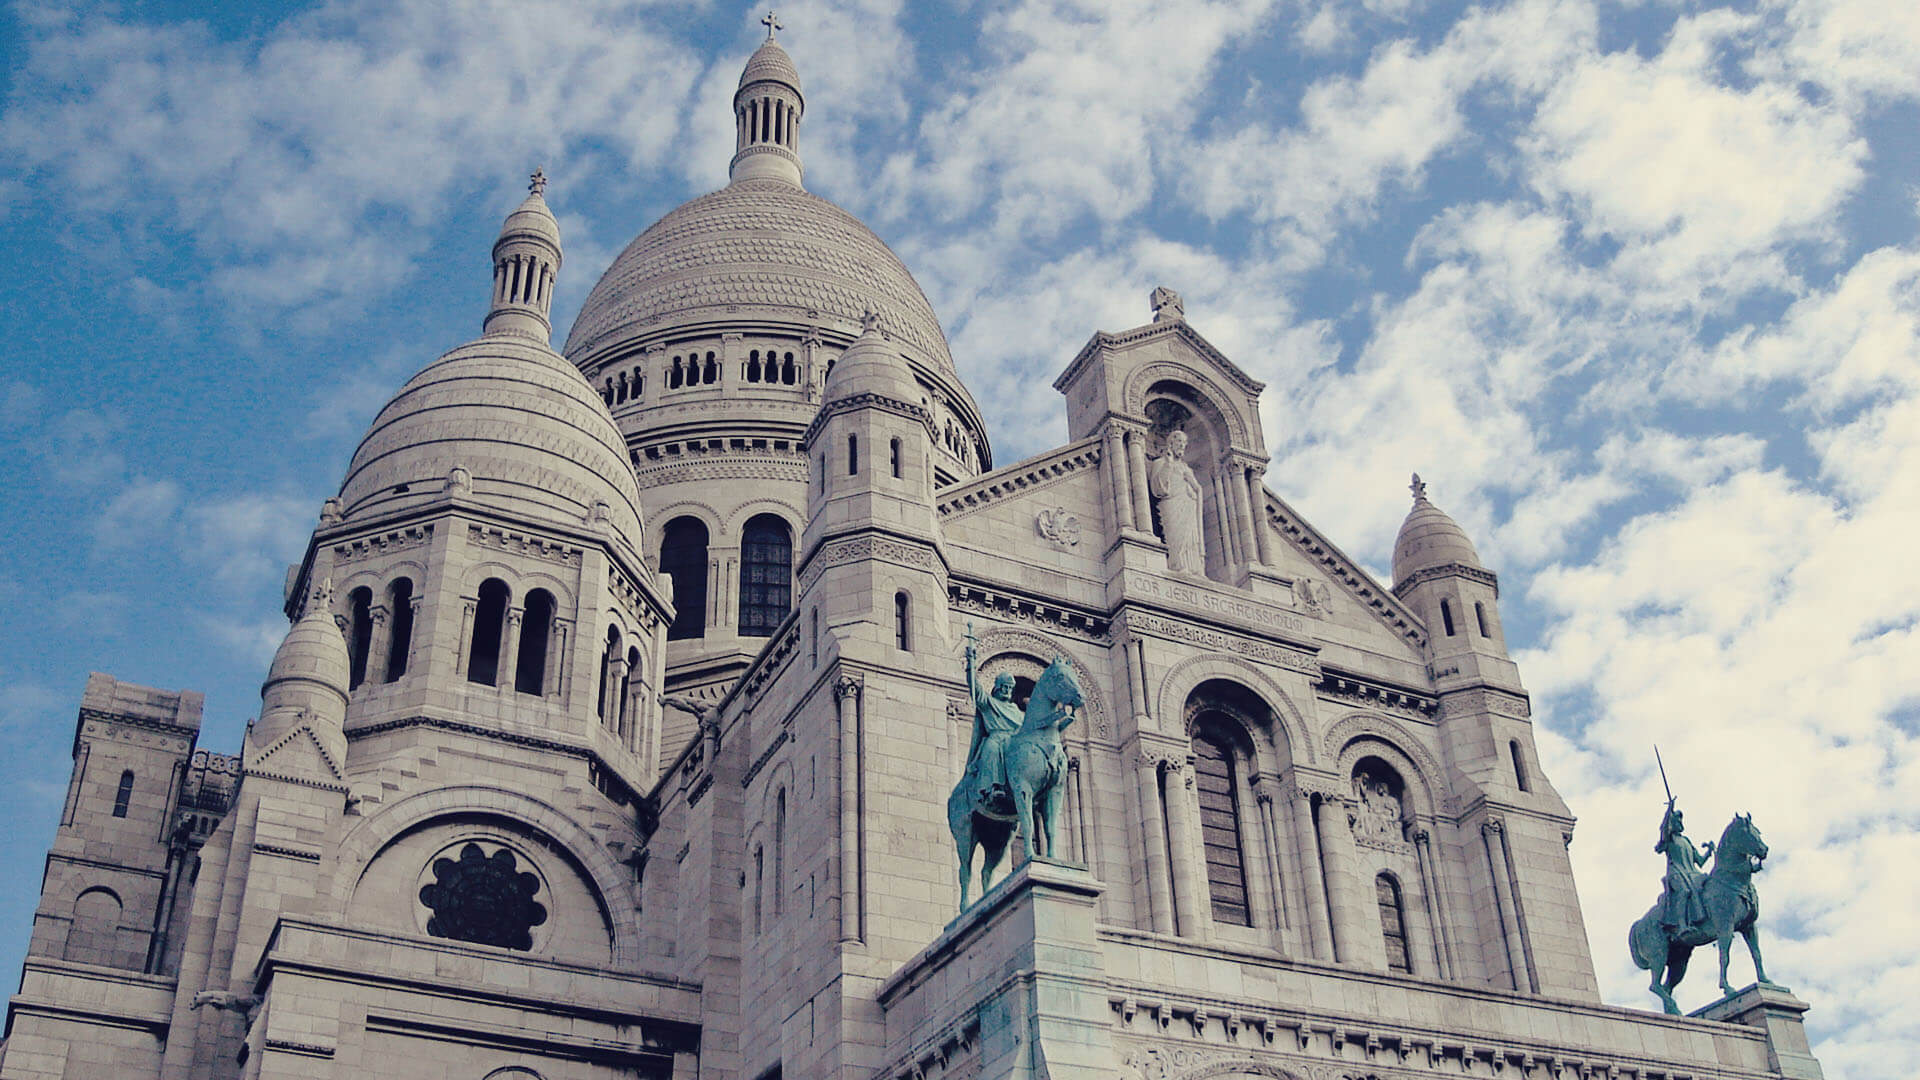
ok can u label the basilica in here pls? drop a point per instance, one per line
(644, 713)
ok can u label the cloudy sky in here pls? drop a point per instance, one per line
(1634, 285)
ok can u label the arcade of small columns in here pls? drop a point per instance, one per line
(1237, 480)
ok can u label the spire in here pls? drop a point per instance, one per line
(766, 114)
(309, 675)
(526, 260)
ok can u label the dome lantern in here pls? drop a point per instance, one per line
(766, 115)
(526, 260)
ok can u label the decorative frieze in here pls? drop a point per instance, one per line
(1207, 637)
(366, 547)
(1040, 614)
(1044, 472)
(863, 549)
(499, 539)
(1368, 694)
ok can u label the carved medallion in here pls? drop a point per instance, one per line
(1058, 527)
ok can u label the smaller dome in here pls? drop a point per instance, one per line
(313, 653)
(505, 423)
(532, 219)
(871, 365)
(770, 63)
(1429, 538)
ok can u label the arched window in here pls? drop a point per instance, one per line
(1446, 617)
(853, 454)
(1393, 924)
(789, 371)
(1216, 785)
(124, 795)
(92, 937)
(1480, 616)
(625, 727)
(400, 645)
(759, 883)
(359, 634)
(711, 374)
(896, 458)
(536, 630)
(1519, 765)
(489, 621)
(606, 668)
(683, 557)
(902, 622)
(813, 651)
(753, 366)
(766, 575)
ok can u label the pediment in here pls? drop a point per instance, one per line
(300, 757)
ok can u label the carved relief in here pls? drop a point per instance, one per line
(1058, 527)
(1207, 637)
(1313, 597)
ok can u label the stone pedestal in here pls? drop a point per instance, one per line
(1015, 987)
(1774, 1010)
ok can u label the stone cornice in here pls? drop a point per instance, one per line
(864, 401)
(160, 726)
(1039, 471)
(1471, 573)
(998, 601)
(1376, 694)
(1171, 327)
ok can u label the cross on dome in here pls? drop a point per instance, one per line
(869, 321)
(1418, 487)
(772, 23)
(537, 183)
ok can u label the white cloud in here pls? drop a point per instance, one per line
(141, 511)
(245, 541)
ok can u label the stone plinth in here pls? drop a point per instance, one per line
(1774, 1010)
(1014, 987)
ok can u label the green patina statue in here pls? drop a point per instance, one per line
(1016, 768)
(1695, 909)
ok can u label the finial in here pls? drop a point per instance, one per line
(323, 592)
(1167, 305)
(869, 321)
(772, 23)
(537, 183)
(1419, 488)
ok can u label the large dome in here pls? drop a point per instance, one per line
(530, 437)
(759, 250)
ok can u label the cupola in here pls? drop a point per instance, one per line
(766, 111)
(308, 678)
(1429, 539)
(526, 261)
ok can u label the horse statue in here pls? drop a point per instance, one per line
(1726, 903)
(1014, 779)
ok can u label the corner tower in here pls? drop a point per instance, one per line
(710, 338)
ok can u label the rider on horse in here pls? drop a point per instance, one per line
(1680, 906)
(995, 719)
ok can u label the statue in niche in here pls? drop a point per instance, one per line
(1177, 492)
(1378, 808)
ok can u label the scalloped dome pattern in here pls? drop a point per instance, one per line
(757, 250)
(533, 437)
(770, 63)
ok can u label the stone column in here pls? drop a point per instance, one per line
(378, 643)
(1344, 894)
(1136, 675)
(847, 692)
(1137, 470)
(1191, 897)
(509, 649)
(556, 679)
(1282, 875)
(1153, 830)
(463, 649)
(1257, 495)
(1493, 832)
(1117, 482)
(1431, 886)
(1314, 876)
(610, 703)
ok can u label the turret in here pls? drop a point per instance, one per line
(766, 112)
(1437, 572)
(307, 683)
(526, 260)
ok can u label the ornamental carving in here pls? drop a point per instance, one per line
(366, 547)
(1058, 527)
(1219, 641)
(1035, 613)
(867, 547)
(484, 899)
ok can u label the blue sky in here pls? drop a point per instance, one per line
(1635, 286)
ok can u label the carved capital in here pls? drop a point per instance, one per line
(848, 686)
(1421, 836)
(1493, 826)
(378, 614)
(515, 616)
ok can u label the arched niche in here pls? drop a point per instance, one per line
(1175, 409)
(1038, 650)
(591, 917)
(1364, 735)
(1288, 726)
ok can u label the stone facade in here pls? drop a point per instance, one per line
(615, 727)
